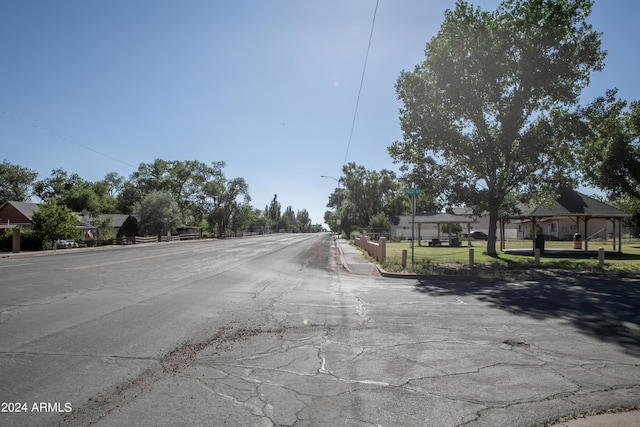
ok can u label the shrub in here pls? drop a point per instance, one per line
(129, 227)
(6, 240)
(29, 240)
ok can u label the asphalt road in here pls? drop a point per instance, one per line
(272, 331)
(78, 326)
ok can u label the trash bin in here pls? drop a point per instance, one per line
(577, 241)
(540, 243)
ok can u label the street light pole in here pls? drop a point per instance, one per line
(338, 207)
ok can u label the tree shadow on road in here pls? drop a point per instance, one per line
(607, 308)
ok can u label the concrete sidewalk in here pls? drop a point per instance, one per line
(355, 262)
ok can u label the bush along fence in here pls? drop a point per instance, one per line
(378, 251)
(26, 240)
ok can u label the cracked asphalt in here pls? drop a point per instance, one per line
(363, 351)
(313, 344)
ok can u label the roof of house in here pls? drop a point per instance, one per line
(26, 209)
(86, 220)
(116, 219)
(572, 203)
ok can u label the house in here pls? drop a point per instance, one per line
(14, 214)
(86, 223)
(429, 225)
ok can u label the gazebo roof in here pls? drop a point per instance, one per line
(444, 218)
(574, 204)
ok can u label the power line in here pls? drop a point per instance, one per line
(64, 138)
(364, 69)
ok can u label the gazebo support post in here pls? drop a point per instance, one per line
(577, 225)
(586, 235)
(620, 235)
(533, 233)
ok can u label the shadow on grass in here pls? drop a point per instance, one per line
(605, 307)
(568, 260)
(571, 255)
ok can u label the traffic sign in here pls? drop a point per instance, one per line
(412, 191)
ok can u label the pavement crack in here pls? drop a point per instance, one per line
(358, 355)
(99, 406)
(254, 409)
(59, 354)
(362, 312)
(460, 300)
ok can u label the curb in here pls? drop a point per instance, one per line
(344, 261)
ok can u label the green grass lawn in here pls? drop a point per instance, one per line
(458, 257)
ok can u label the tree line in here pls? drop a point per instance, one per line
(490, 119)
(162, 195)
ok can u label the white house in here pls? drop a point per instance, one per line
(430, 225)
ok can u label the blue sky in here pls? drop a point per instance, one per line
(267, 86)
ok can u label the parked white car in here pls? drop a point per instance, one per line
(63, 244)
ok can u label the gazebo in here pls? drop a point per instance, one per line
(578, 208)
(445, 218)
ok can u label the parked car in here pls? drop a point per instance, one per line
(479, 235)
(64, 244)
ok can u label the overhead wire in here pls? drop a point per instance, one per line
(353, 122)
(64, 138)
(364, 69)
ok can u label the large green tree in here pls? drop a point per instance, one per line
(76, 193)
(15, 182)
(274, 211)
(127, 198)
(58, 185)
(157, 213)
(114, 183)
(244, 216)
(288, 221)
(611, 149)
(228, 202)
(53, 221)
(186, 181)
(256, 221)
(364, 194)
(490, 111)
(303, 221)
(631, 205)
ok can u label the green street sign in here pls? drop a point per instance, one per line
(412, 191)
